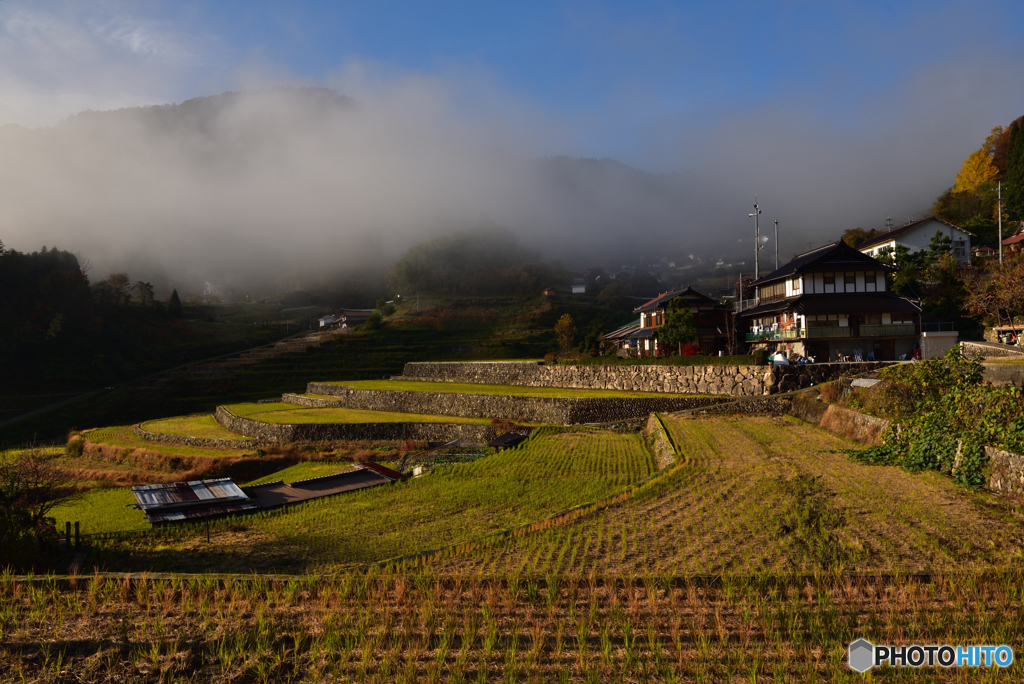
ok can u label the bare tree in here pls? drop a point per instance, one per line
(32, 484)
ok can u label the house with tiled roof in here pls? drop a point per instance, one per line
(917, 236)
(710, 318)
(1015, 242)
(828, 303)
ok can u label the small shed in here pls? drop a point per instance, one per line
(180, 501)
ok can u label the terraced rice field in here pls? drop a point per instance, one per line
(501, 390)
(122, 437)
(199, 425)
(293, 414)
(422, 628)
(553, 471)
(770, 494)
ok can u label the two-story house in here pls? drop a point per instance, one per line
(711, 319)
(831, 302)
(917, 235)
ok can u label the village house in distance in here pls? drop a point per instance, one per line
(831, 303)
(917, 236)
(711, 319)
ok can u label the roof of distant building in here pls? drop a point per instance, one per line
(835, 256)
(663, 299)
(906, 228)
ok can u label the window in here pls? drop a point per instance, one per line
(830, 278)
(822, 321)
(869, 278)
(902, 318)
(850, 279)
(795, 283)
(872, 319)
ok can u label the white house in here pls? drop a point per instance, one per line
(917, 235)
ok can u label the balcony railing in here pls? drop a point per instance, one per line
(891, 330)
(774, 335)
(827, 331)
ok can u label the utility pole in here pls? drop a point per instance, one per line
(1000, 186)
(776, 244)
(757, 238)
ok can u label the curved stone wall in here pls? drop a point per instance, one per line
(330, 432)
(732, 380)
(558, 410)
(163, 438)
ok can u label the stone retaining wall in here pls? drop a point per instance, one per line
(558, 410)
(209, 442)
(994, 351)
(659, 442)
(330, 432)
(729, 380)
(1007, 471)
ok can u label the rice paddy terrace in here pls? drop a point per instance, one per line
(756, 555)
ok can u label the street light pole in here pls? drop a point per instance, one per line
(776, 245)
(1000, 223)
(757, 238)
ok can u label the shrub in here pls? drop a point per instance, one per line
(75, 447)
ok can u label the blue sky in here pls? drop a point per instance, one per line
(614, 72)
(836, 114)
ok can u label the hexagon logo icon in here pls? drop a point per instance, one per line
(862, 655)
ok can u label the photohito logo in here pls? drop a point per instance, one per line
(863, 655)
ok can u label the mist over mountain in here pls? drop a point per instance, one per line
(285, 187)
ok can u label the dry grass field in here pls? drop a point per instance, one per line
(415, 627)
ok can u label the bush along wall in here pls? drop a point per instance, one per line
(943, 417)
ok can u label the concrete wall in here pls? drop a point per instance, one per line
(330, 432)
(937, 343)
(558, 410)
(726, 380)
(1004, 374)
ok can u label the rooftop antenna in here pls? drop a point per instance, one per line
(757, 237)
(776, 244)
(888, 223)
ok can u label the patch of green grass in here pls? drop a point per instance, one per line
(102, 510)
(294, 414)
(500, 390)
(1006, 359)
(200, 425)
(551, 472)
(121, 436)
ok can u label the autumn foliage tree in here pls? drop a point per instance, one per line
(565, 329)
(997, 291)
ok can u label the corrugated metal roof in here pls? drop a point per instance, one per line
(187, 500)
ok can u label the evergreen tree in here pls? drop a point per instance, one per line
(1013, 193)
(174, 305)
